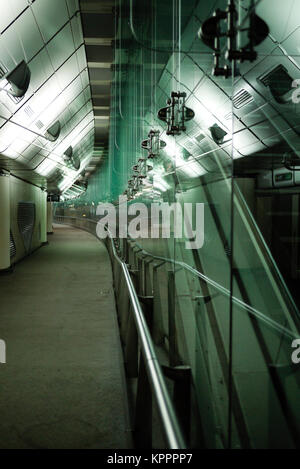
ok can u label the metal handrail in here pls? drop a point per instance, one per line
(165, 407)
(241, 304)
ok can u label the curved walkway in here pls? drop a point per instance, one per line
(62, 385)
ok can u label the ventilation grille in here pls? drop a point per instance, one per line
(279, 71)
(39, 124)
(278, 80)
(2, 71)
(12, 246)
(28, 110)
(241, 99)
(26, 219)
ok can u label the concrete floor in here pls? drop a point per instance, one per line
(62, 385)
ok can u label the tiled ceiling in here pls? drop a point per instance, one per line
(69, 63)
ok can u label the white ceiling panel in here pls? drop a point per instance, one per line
(50, 16)
(74, 137)
(73, 90)
(7, 61)
(289, 16)
(8, 135)
(47, 167)
(38, 102)
(41, 69)
(23, 38)
(30, 152)
(278, 18)
(35, 161)
(292, 45)
(77, 103)
(53, 111)
(67, 72)
(4, 110)
(77, 31)
(10, 104)
(87, 93)
(85, 78)
(19, 146)
(48, 36)
(10, 10)
(73, 6)
(73, 122)
(81, 57)
(61, 46)
(12, 154)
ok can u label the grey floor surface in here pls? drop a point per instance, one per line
(62, 384)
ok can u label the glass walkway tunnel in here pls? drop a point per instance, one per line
(169, 131)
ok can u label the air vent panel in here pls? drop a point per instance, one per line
(28, 110)
(241, 99)
(3, 71)
(12, 246)
(278, 80)
(26, 220)
(39, 124)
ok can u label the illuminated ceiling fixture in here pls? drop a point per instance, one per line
(176, 114)
(52, 133)
(153, 144)
(71, 160)
(217, 134)
(17, 81)
(211, 33)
